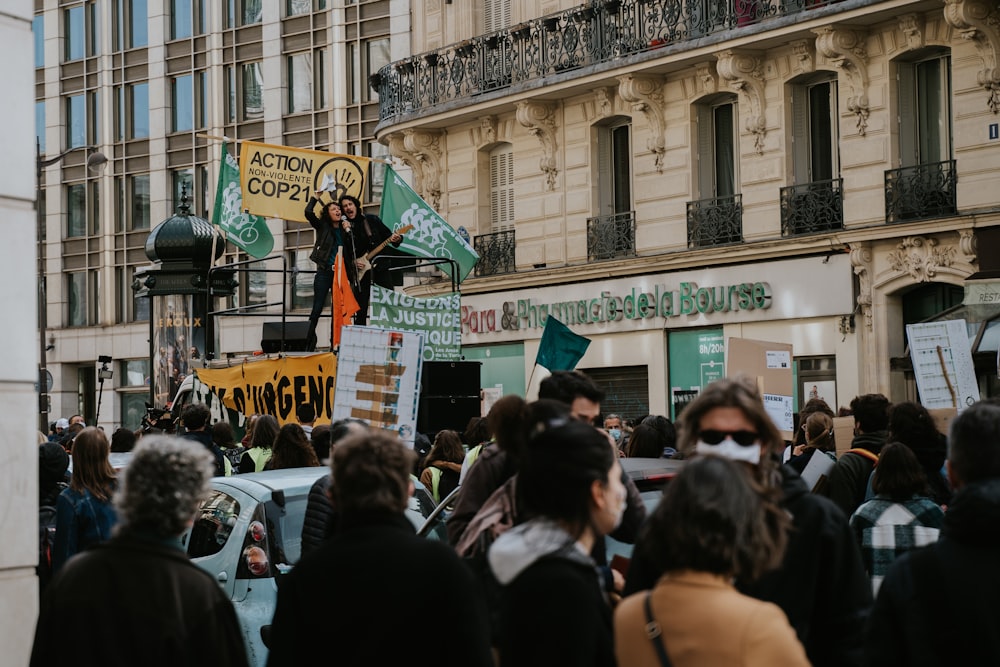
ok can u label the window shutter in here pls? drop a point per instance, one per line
(800, 135)
(605, 173)
(706, 153)
(502, 188)
(907, 118)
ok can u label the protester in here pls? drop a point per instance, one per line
(900, 517)
(848, 480)
(84, 512)
(645, 442)
(291, 449)
(225, 439)
(53, 462)
(196, 419)
(305, 414)
(258, 452)
(320, 442)
(821, 584)
(554, 608)
(938, 604)
(710, 528)
(911, 424)
(667, 431)
(443, 464)
(356, 593)
(138, 599)
(122, 440)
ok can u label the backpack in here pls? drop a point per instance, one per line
(46, 538)
(496, 515)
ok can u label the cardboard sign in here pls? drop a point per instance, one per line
(843, 433)
(769, 365)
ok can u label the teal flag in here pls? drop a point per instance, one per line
(248, 232)
(430, 235)
(560, 349)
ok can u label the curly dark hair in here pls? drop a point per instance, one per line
(898, 474)
(291, 449)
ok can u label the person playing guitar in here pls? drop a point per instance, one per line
(369, 232)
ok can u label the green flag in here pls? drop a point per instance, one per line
(431, 236)
(560, 349)
(248, 232)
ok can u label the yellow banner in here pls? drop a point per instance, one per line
(277, 181)
(276, 386)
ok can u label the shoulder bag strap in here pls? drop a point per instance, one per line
(654, 632)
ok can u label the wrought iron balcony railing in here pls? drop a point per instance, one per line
(597, 32)
(920, 192)
(715, 221)
(610, 236)
(812, 207)
(496, 253)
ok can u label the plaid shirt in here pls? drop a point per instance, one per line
(885, 529)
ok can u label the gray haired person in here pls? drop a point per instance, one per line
(137, 598)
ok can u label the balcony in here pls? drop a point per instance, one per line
(601, 31)
(716, 221)
(811, 208)
(611, 236)
(921, 192)
(496, 253)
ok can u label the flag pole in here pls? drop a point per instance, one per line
(532, 375)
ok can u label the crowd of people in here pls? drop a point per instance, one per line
(887, 561)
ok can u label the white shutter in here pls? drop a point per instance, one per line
(497, 15)
(800, 135)
(502, 188)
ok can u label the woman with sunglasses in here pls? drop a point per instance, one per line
(821, 584)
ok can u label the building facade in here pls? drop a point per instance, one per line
(154, 86)
(665, 176)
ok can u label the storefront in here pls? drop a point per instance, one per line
(669, 331)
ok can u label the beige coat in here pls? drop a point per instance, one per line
(705, 621)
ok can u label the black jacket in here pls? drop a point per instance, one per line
(319, 520)
(205, 438)
(938, 604)
(821, 584)
(326, 243)
(848, 479)
(136, 601)
(365, 243)
(366, 596)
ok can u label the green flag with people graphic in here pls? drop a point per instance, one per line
(431, 236)
(245, 231)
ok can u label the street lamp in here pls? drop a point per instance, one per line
(96, 162)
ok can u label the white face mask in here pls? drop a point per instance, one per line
(732, 450)
(615, 433)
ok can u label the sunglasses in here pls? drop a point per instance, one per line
(744, 438)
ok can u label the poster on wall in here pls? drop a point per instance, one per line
(942, 364)
(178, 343)
(697, 358)
(825, 390)
(378, 378)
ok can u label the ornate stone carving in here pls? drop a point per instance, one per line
(707, 78)
(979, 21)
(486, 133)
(967, 244)
(398, 150)
(921, 257)
(604, 101)
(845, 49)
(912, 26)
(861, 260)
(539, 118)
(646, 96)
(804, 55)
(424, 146)
(744, 72)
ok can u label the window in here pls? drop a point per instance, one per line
(129, 307)
(40, 125)
(302, 288)
(76, 210)
(614, 160)
(296, 7)
(38, 31)
(76, 31)
(353, 73)
(925, 110)
(717, 146)
(183, 103)
(76, 121)
(815, 154)
(138, 111)
(250, 11)
(497, 15)
(133, 408)
(82, 290)
(253, 92)
(376, 178)
(377, 51)
(300, 82)
(253, 289)
(139, 196)
(230, 75)
(320, 63)
(502, 188)
(138, 30)
(187, 18)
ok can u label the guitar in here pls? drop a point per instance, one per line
(366, 261)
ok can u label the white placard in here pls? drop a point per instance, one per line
(378, 378)
(942, 364)
(779, 409)
(778, 359)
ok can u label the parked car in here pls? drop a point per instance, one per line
(248, 533)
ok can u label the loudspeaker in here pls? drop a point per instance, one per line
(295, 339)
(436, 413)
(451, 378)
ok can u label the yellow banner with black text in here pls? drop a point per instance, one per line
(277, 181)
